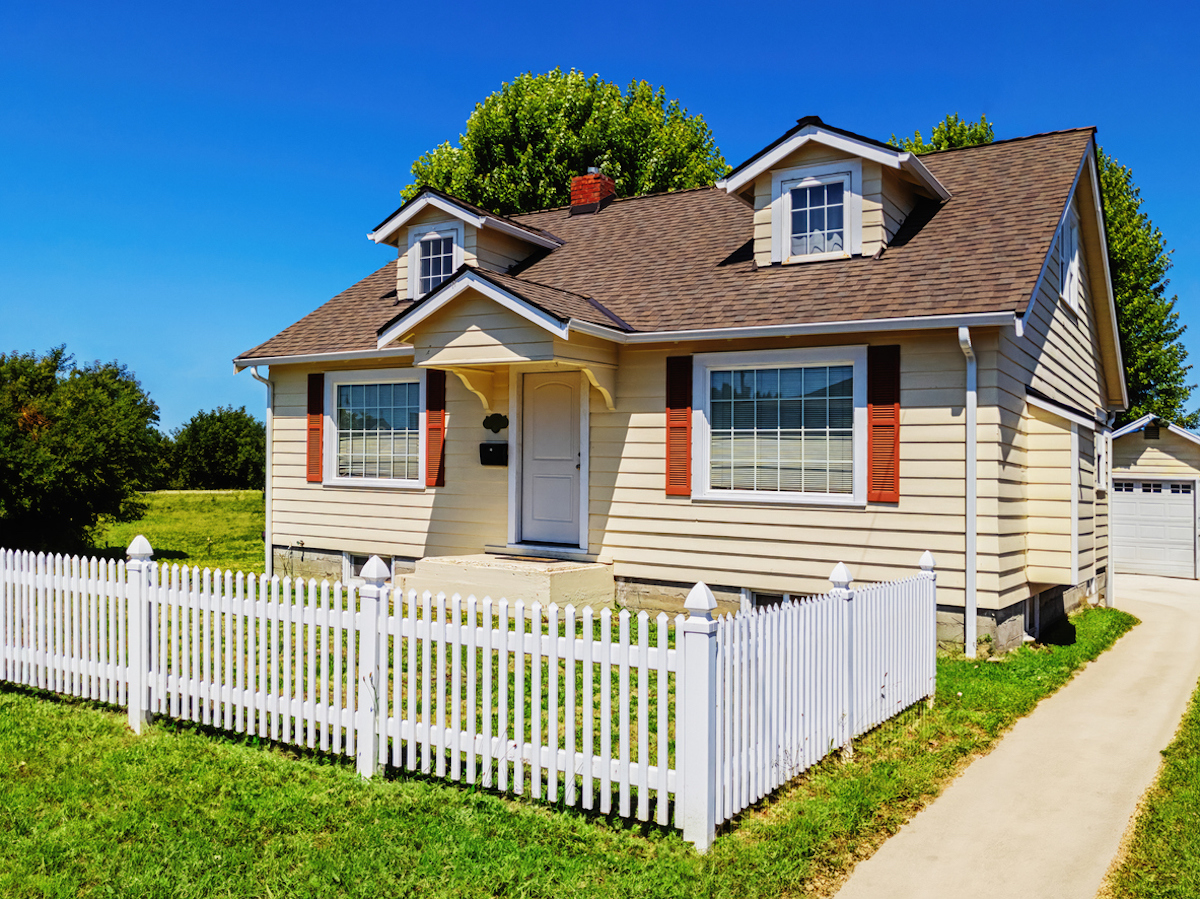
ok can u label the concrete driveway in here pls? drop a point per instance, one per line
(1043, 814)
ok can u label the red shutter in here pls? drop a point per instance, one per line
(679, 426)
(435, 428)
(883, 423)
(316, 420)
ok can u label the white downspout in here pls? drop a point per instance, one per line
(268, 536)
(969, 613)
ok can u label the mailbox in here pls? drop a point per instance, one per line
(493, 454)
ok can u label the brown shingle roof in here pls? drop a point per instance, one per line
(681, 261)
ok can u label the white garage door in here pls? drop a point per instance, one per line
(1154, 527)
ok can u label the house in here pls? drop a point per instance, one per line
(1155, 478)
(842, 352)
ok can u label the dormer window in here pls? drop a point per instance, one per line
(817, 212)
(437, 262)
(435, 251)
(818, 215)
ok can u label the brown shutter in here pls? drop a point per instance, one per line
(316, 421)
(435, 428)
(883, 422)
(679, 426)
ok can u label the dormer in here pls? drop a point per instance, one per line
(435, 234)
(821, 193)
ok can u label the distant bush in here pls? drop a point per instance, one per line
(219, 450)
(76, 444)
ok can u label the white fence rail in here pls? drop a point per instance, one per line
(616, 712)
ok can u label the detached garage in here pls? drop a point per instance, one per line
(1155, 478)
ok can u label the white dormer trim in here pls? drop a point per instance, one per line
(472, 280)
(893, 159)
(432, 201)
(417, 233)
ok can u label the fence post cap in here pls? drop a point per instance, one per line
(927, 561)
(700, 600)
(139, 550)
(376, 572)
(840, 576)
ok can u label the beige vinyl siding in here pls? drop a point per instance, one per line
(469, 512)
(773, 547)
(500, 252)
(1059, 355)
(1168, 456)
(897, 198)
(476, 331)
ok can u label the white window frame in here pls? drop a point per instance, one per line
(782, 182)
(350, 578)
(335, 379)
(418, 233)
(1070, 286)
(703, 363)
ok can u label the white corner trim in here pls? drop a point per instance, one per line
(387, 354)
(392, 225)
(474, 281)
(1110, 298)
(971, 497)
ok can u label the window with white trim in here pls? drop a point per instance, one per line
(1070, 285)
(1123, 486)
(816, 212)
(434, 254)
(817, 215)
(375, 431)
(780, 425)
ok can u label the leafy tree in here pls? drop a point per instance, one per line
(76, 444)
(948, 134)
(524, 142)
(220, 450)
(1151, 336)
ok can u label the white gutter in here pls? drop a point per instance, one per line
(268, 535)
(908, 323)
(972, 522)
(349, 355)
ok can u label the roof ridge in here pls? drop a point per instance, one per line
(1010, 140)
(615, 200)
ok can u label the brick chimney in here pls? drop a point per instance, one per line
(591, 192)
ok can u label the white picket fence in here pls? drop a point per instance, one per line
(595, 710)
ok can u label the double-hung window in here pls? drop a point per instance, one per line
(376, 428)
(781, 425)
(434, 254)
(816, 212)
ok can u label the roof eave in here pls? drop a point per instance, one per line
(387, 231)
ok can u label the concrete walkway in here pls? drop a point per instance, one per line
(1043, 814)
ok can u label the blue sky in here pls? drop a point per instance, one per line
(180, 182)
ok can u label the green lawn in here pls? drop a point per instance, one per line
(90, 810)
(1163, 858)
(205, 528)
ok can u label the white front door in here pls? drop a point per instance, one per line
(550, 458)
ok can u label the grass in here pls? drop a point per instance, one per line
(1162, 860)
(205, 528)
(90, 810)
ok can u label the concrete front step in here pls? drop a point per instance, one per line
(515, 578)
